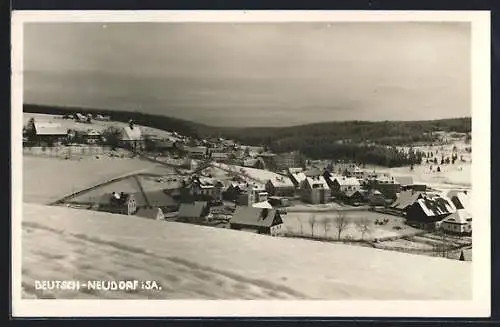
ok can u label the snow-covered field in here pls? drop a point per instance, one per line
(96, 125)
(48, 179)
(298, 223)
(210, 263)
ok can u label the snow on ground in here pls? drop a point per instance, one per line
(298, 223)
(96, 125)
(211, 263)
(49, 179)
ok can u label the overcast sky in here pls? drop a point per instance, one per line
(253, 74)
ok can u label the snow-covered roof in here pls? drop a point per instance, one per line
(347, 181)
(458, 217)
(49, 128)
(299, 177)
(435, 206)
(263, 205)
(295, 170)
(318, 180)
(459, 199)
(131, 133)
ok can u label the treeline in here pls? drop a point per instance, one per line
(372, 154)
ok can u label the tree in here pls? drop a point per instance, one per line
(112, 135)
(363, 225)
(341, 223)
(462, 258)
(312, 221)
(301, 229)
(327, 224)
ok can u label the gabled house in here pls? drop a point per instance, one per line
(92, 136)
(280, 186)
(388, 186)
(427, 211)
(45, 133)
(315, 190)
(406, 182)
(257, 220)
(341, 185)
(196, 152)
(459, 222)
(156, 199)
(460, 199)
(118, 203)
(355, 197)
(298, 178)
(405, 200)
(219, 156)
(131, 137)
(193, 212)
(257, 163)
(206, 189)
(375, 198)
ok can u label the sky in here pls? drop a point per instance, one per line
(253, 74)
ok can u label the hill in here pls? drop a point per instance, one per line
(353, 140)
(209, 263)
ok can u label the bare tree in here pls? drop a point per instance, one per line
(327, 225)
(363, 225)
(312, 222)
(301, 230)
(341, 222)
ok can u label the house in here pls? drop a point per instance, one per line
(151, 213)
(196, 152)
(460, 199)
(298, 178)
(192, 212)
(354, 197)
(280, 186)
(92, 136)
(406, 182)
(206, 189)
(341, 185)
(102, 118)
(262, 205)
(257, 220)
(315, 190)
(245, 194)
(277, 201)
(131, 137)
(427, 211)
(257, 163)
(219, 156)
(118, 203)
(459, 222)
(156, 199)
(45, 133)
(388, 186)
(375, 198)
(347, 169)
(405, 200)
(295, 170)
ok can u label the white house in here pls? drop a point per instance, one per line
(131, 137)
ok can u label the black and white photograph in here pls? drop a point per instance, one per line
(307, 163)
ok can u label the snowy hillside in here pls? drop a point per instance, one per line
(210, 263)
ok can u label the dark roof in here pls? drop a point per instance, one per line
(406, 199)
(155, 199)
(404, 180)
(350, 194)
(148, 212)
(255, 217)
(192, 210)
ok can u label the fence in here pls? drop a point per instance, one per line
(67, 152)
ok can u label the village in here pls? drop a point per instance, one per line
(224, 184)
